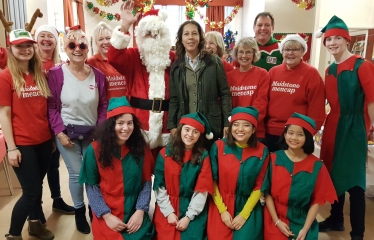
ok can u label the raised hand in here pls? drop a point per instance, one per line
(126, 15)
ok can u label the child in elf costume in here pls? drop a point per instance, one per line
(239, 165)
(296, 183)
(116, 170)
(183, 179)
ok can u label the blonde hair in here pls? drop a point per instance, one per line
(98, 31)
(217, 39)
(77, 36)
(35, 68)
(248, 42)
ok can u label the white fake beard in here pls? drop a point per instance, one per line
(154, 53)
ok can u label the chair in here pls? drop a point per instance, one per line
(4, 160)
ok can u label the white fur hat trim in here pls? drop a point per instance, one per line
(295, 37)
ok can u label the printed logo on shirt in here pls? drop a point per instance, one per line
(271, 60)
(116, 81)
(284, 87)
(30, 91)
(92, 87)
(237, 91)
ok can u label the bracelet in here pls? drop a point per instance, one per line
(278, 221)
(11, 150)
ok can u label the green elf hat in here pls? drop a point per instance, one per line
(244, 113)
(302, 121)
(198, 121)
(335, 27)
(117, 106)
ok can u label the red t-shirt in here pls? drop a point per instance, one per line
(47, 64)
(3, 57)
(299, 89)
(28, 112)
(250, 89)
(115, 82)
(227, 66)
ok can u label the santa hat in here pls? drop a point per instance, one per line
(302, 121)
(76, 27)
(152, 16)
(46, 28)
(244, 113)
(335, 27)
(198, 121)
(294, 37)
(118, 106)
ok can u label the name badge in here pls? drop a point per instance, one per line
(271, 60)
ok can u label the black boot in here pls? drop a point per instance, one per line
(81, 221)
(36, 229)
(357, 238)
(90, 213)
(331, 225)
(60, 206)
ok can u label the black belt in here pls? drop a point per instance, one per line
(156, 105)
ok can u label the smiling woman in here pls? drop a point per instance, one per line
(73, 117)
(198, 82)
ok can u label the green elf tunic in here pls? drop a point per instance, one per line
(120, 186)
(271, 56)
(181, 181)
(295, 187)
(237, 171)
(349, 87)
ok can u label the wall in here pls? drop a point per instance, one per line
(289, 18)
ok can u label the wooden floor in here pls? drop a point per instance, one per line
(63, 226)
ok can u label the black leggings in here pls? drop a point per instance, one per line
(30, 173)
(53, 175)
(357, 210)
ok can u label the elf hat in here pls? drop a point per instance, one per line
(294, 37)
(244, 113)
(19, 36)
(46, 28)
(302, 121)
(335, 27)
(118, 106)
(198, 121)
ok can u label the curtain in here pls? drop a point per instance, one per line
(68, 14)
(18, 13)
(80, 14)
(215, 14)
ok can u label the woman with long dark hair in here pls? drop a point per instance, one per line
(198, 82)
(183, 179)
(116, 170)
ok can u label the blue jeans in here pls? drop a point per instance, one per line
(73, 157)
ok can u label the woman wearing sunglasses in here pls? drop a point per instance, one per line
(77, 106)
(294, 84)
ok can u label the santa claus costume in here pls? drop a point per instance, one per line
(147, 71)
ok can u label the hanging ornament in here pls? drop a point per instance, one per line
(305, 4)
(107, 3)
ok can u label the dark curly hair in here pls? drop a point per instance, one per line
(106, 136)
(180, 50)
(178, 147)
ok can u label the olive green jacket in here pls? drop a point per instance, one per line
(214, 97)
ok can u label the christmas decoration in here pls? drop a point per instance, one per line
(139, 6)
(305, 4)
(191, 9)
(229, 40)
(107, 3)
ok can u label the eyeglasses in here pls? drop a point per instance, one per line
(242, 53)
(295, 50)
(73, 46)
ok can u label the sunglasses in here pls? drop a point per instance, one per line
(73, 46)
